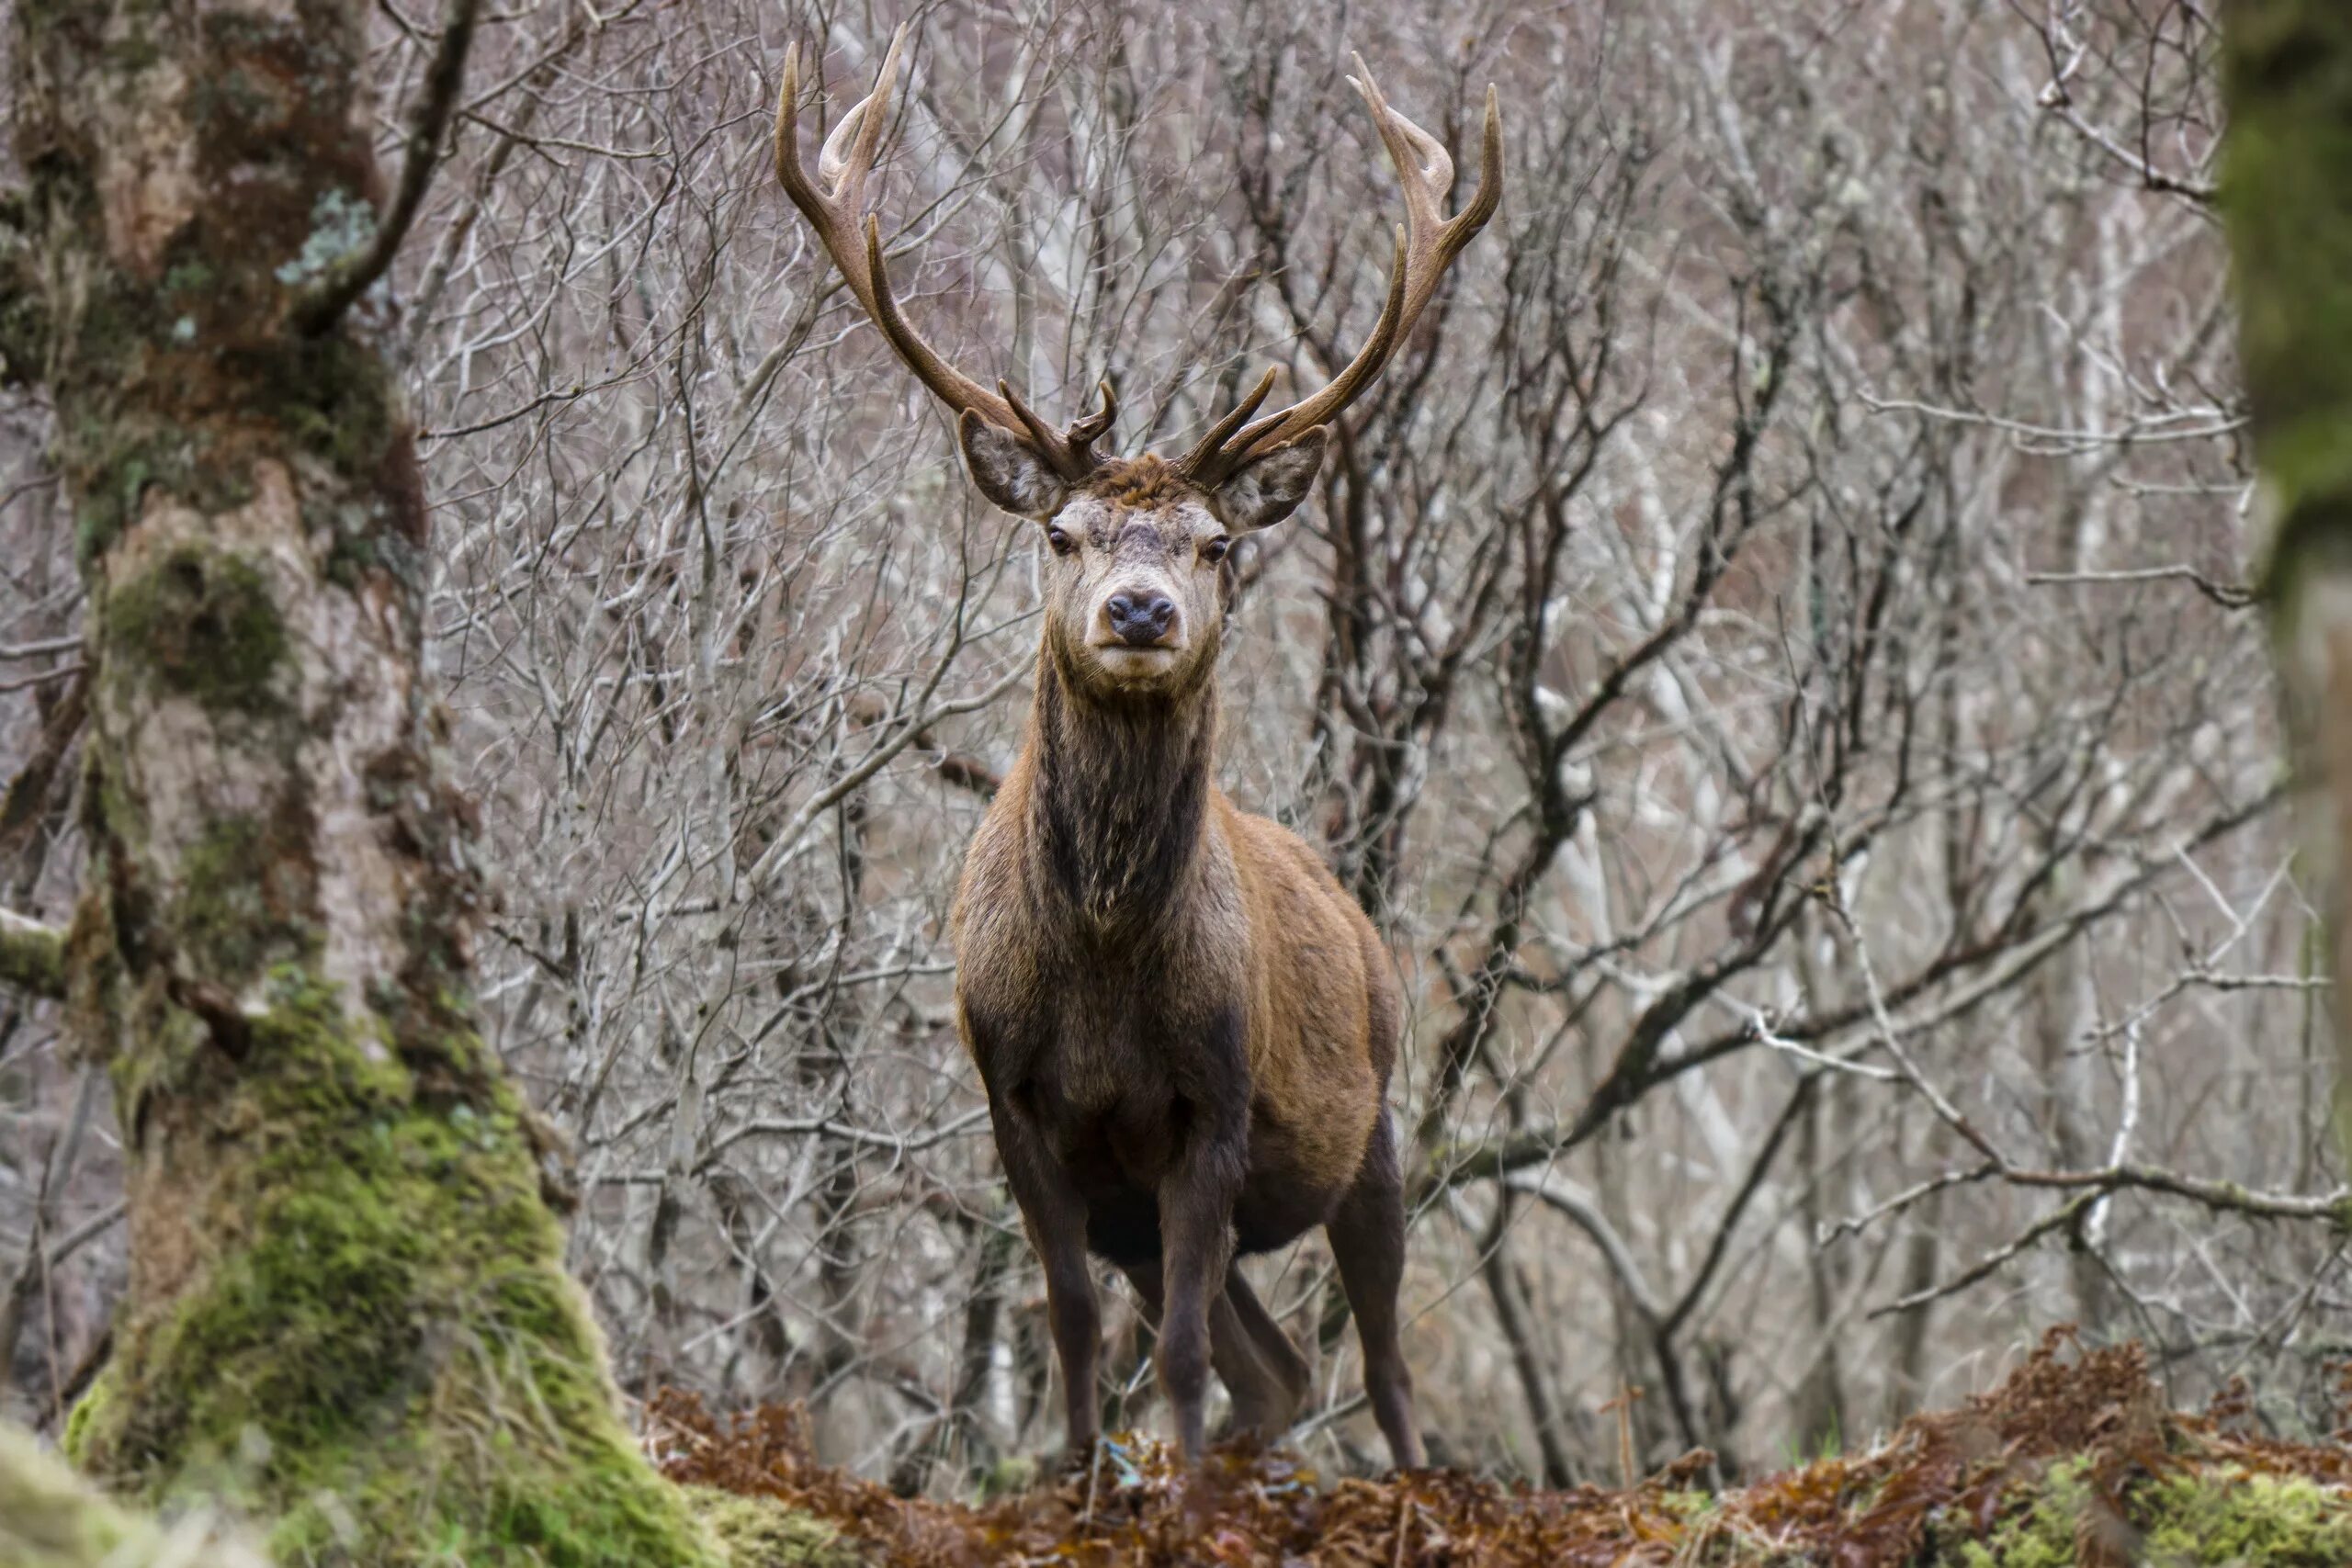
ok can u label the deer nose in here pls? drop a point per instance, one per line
(1139, 618)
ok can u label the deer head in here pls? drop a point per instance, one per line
(1131, 591)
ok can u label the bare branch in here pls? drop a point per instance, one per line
(348, 276)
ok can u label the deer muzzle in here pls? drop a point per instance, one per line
(1140, 617)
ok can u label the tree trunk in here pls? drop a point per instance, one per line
(2288, 197)
(346, 1308)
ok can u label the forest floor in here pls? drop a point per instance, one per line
(2073, 1461)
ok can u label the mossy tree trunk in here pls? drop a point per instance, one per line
(347, 1309)
(2287, 201)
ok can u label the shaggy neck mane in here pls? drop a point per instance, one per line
(1121, 792)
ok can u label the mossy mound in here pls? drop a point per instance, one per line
(377, 1347)
(2220, 1519)
(760, 1532)
(50, 1518)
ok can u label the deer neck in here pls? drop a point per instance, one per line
(1120, 802)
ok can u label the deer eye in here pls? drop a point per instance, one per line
(1063, 544)
(1214, 551)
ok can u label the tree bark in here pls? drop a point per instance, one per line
(2287, 82)
(346, 1308)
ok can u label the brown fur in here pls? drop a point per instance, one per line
(1138, 483)
(1185, 1026)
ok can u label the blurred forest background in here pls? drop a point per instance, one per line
(1772, 656)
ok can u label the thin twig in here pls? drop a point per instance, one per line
(353, 273)
(2228, 595)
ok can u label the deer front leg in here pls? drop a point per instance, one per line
(1055, 1216)
(1196, 1201)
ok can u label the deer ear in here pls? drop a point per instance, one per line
(1268, 486)
(1010, 472)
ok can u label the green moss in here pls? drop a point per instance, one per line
(45, 1517)
(1011, 1475)
(245, 899)
(2287, 194)
(110, 453)
(337, 399)
(108, 486)
(48, 1519)
(758, 1532)
(383, 1354)
(31, 956)
(2235, 1518)
(175, 1055)
(2214, 1519)
(91, 1415)
(201, 624)
(2041, 1535)
(229, 396)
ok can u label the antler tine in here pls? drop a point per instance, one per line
(1201, 458)
(845, 167)
(846, 159)
(1030, 422)
(835, 206)
(1096, 426)
(1426, 245)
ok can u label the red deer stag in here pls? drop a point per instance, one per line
(1184, 1025)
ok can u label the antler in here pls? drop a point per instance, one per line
(1426, 246)
(837, 212)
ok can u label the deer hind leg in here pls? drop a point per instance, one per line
(1285, 1377)
(1259, 1401)
(1368, 1242)
(1260, 1367)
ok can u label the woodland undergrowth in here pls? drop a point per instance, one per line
(2075, 1460)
